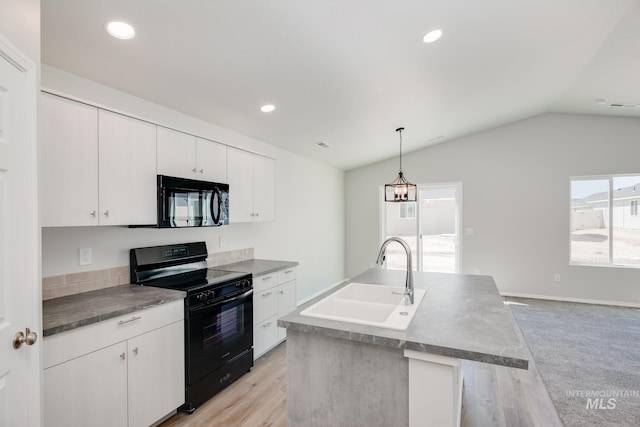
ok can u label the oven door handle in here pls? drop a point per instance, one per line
(223, 301)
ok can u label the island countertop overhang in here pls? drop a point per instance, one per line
(462, 316)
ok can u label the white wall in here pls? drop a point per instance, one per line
(309, 226)
(516, 198)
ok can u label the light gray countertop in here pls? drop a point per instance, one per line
(257, 267)
(461, 316)
(73, 311)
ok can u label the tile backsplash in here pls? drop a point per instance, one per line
(229, 257)
(77, 283)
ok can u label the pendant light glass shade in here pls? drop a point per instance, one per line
(400, 190)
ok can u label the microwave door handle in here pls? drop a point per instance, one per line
(216, 196)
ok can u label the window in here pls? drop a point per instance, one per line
(430, 227)
(408, 210)
(605, 226)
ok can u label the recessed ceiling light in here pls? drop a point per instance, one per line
(432, 36)
(601, 101)
(267, 108)
(120, 30)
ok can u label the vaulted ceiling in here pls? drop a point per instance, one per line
(349, 72)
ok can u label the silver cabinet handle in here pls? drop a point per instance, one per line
(201, 171)
(193, 170)
(266, 294)
(122, 356)
(133, 319)
(281, 292)
(93, 214)
(267, 278)
(135, 350)
(266, 325)
(106, 213)
(257, 213)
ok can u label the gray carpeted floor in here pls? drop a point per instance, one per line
(588, 357)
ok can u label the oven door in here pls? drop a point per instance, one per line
(218, 332)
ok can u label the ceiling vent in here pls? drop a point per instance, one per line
(624, 105)
(323, 145)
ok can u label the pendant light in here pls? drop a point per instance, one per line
(400, 190)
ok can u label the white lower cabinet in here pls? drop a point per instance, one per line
(274, 296)
(87, 391)
(134, 381)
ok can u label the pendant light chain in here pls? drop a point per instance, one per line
(399, 130)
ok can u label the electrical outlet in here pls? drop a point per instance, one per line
(556, 277)
(85, 256)
(222, 242)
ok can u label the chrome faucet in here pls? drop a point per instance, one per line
(409, 280)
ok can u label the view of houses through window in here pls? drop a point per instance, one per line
(430, 226)
(605, 226)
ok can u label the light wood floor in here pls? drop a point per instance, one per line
(492, 396)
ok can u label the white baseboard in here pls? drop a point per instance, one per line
(328, 288)
(580, 300)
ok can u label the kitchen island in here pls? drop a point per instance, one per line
(341, 373)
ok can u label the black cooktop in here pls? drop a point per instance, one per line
(180, 266)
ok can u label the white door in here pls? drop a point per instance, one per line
(19, 242)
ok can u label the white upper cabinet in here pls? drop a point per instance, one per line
(127, 170)
(211, 161)
(68, 162)
(264, 176)
(251, 186)
(187, 156)
(176, 153)
(98, 167)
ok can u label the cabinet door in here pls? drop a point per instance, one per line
(156, 374)
(69, 162)
(127, 170)
(264, 188)
(240, 177)
(87, 391)
(176, 153)
(286, 303)
(211, 161)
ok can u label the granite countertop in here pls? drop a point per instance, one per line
(257, 267)
(73, 311)
(461, 316)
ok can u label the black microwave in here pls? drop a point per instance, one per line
(186, 202)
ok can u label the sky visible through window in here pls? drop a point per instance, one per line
(587, 187)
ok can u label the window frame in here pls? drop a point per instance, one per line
(610, 178)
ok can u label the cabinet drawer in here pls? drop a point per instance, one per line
(266, 281)
(265, 305)
(286, 275)
(265, 336)
(67, 345)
